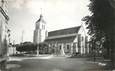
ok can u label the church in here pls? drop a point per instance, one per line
(66, 41)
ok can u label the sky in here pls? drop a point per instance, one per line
(58, 14)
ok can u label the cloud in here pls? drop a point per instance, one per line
(18, 4)
(34, 6)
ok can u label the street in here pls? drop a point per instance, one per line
(52, 63)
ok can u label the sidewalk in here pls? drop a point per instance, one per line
(104, 63)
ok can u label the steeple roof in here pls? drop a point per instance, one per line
(41, 19)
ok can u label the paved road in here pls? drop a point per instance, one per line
(54, 64)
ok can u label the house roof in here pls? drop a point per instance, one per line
(66, 31)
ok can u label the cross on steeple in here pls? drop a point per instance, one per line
(41, 14)
(41, 10)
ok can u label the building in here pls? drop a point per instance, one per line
(3, 33)
(68, 41)
(64, 41)
(11, 50)
(40, 32)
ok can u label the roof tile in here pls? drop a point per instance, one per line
(64, 31)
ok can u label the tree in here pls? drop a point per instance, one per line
(19, 48)
(26, 47)
(101, 24)
(43, 48)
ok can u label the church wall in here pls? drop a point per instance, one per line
(68, 48)
(75, 45)
(63, 48)
(43, 35)
(35, 36)
(82, 44)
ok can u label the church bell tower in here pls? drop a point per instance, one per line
(40, 32)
